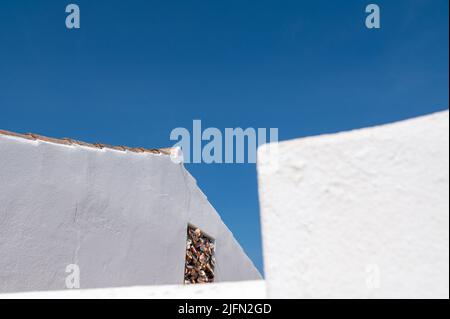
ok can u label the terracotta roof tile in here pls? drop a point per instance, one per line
(69, 141)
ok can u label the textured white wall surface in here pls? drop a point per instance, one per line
(360, 214)
(120, 216)
(224, 290)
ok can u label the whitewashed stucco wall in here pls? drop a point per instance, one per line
(254, 289)
(361, 214)
(120, 216)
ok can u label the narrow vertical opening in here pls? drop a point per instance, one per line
(200, 257)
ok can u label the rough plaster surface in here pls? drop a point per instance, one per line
(225, 290)
(120, 216)
(360, 214)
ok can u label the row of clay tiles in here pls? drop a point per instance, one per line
(68, 141)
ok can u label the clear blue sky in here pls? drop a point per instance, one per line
(137, 69)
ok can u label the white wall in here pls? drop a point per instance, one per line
(361, 214)
(121, 216)
(225, 290)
